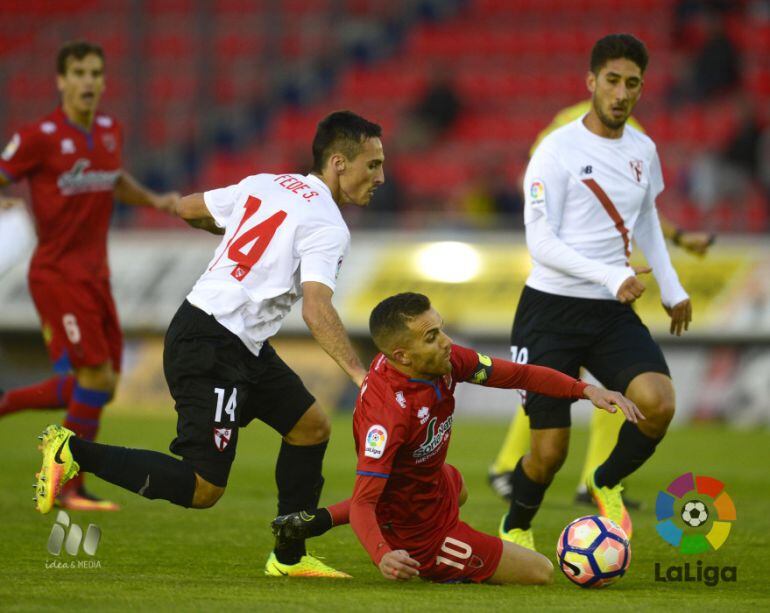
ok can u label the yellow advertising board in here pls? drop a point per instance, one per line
(476, 286)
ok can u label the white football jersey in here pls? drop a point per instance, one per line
(586, 198)
(280, 231)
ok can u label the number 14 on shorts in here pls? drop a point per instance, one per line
(229, 408)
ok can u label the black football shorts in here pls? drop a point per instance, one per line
(603, 336)
(219, 386)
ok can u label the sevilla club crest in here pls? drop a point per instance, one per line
(222, 437)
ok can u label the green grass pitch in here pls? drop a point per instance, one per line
(156, 556)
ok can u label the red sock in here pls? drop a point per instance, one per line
(340, 512)
(83, 414)
(53, 393)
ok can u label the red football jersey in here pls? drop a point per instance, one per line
(402, 428)
(71, 174)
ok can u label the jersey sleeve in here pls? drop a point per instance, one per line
(363, 516)
(23, 154)
(545, 192)
(221, 202)
(469, 365)
(321, 254)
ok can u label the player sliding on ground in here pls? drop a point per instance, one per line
(406, 500)
(284, 238)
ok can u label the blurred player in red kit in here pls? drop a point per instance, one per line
(72, 161)
(406, 499)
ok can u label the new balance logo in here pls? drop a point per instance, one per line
(586, 170)
(72, 538)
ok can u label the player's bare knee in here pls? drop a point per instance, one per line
(545, 463)
(206, 494)
(313, 428)
(660, 416)
(100, 377)
(542, 571)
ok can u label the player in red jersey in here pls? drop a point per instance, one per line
(71, 159)
(405, 504)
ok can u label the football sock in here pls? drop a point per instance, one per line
(515, 445)
(602, 435)
(148, 473)
(527, 498)
(299, 481)
(330, 517)
(53, 393)
(83, 414)
(632, 449)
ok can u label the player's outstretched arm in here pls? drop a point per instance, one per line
(496, 372)
(193, 210)
(130, 191)
(325, 325)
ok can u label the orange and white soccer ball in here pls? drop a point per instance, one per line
(593, 551)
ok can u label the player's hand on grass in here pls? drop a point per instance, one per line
(681, 316)
(697, 243)
(612, 401)
(398, 566)
(632, 288)
(7, 202)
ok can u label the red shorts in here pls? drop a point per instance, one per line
(463, 555)
(80, 322)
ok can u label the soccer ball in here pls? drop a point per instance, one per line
(593, 551)
(695, 513)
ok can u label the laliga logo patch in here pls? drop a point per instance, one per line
(222, 437)
(537, 191)
(376, 437)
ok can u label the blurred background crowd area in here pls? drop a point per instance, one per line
(210, 91)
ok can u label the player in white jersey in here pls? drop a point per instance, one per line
(284, 239)
(590, 188)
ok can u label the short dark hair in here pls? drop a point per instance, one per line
(77, 49)
(615, 46)
(341, 131)
(389, 317)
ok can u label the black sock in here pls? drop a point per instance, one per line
(322, 523)
(631, 451)
(299, 481)
(526, 499)
(148, 473)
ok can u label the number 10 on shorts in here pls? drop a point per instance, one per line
(457, 549)
(229, 407)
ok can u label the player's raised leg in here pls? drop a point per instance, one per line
(654, 394)
(522, 566)
(531, 478)
(148, 473)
